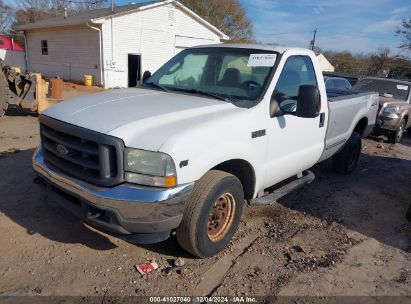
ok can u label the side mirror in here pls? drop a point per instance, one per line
(146, 76)
(308, 102)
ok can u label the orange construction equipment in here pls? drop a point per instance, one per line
(57, 85)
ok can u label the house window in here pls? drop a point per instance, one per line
(44, 47)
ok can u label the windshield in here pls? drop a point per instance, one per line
(224, 73)
(386, 88)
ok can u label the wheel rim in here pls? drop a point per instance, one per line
(221, 217)
(400, 132)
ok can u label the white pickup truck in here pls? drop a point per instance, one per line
(213, 128)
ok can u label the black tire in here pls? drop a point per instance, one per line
(408, 214)
(198, 233)
(396, 136)
(4, 94)
(345, 161)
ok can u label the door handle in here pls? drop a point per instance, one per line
(322, 120)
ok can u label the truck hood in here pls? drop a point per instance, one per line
(142, 118)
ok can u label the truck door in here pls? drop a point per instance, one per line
(294, 144)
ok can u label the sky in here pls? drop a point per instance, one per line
(354, 25)
(359, 26)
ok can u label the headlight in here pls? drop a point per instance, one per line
(391, 109)
(149, 168)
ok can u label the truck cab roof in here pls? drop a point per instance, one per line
(264, 47)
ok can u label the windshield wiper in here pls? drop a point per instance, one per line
(157, 86)
(194, 91)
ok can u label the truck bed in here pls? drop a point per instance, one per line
(345, 110)
(337, 95)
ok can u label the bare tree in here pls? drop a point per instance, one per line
(404, 32)
(378, 62)
(6, 17)
(29, 11)
(228, 16)
(36, 10)
(86, 5)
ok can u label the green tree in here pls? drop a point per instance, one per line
(228, 16)
(345, 62)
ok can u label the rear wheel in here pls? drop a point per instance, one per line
(396, 136)
(345, 161)
(212, 214)
(4, 94)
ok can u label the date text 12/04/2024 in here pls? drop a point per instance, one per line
(237, 299)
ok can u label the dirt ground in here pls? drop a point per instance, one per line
(341, 235)
(71, 90)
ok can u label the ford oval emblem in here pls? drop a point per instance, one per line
(62, 150)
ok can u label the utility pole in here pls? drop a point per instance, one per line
(313, 41)
(112, 5)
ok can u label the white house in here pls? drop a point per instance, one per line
(325, 65)
(117, 46)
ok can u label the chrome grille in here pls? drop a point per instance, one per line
(82, 153)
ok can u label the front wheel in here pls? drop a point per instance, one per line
(212, 214)
(396, 136)
(345, 161)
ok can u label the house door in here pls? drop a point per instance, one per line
(134, 70)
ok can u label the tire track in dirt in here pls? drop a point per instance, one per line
(211, 280)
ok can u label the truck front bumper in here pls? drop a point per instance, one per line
(388, 123)
(125, 209)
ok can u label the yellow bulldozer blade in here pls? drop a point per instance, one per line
(42, 88)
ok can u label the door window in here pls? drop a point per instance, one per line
(343, 84)
(298, 70)
(330, 84)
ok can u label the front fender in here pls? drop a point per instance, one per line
(202, 146)
(202, 159)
